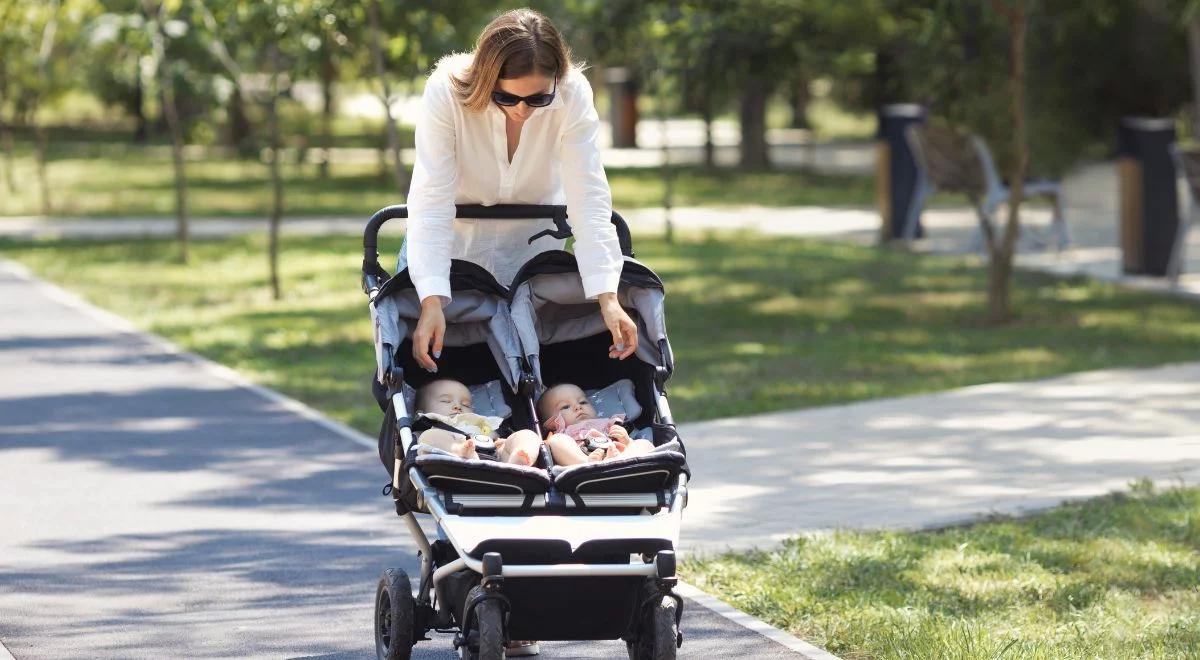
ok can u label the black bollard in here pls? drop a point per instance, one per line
(1149, 203)
(897, 176)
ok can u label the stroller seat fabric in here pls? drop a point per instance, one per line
(480, 477)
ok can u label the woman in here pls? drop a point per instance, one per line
(511, 123)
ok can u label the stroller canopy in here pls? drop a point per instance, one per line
(477, 314)
(549, 307)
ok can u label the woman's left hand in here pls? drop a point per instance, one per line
(623, 329)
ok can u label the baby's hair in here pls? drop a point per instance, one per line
(426, 391)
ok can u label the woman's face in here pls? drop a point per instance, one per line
(529, 85)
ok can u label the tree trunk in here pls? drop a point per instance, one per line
(753, 118)
(668, 201)
(239, 129)
(9, 166)
(999, 278)
(137, 104)
(1000, 271)
(171, 114)
(6, 143)
(276, 186)
(1194, 56)
(799, 101)
(706, 113)
(401, 174)
(40, 150)
(328, 75)
(45, 51)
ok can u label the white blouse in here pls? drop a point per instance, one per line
(462, 157)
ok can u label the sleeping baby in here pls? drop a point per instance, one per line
(449, 402)
(577, 435)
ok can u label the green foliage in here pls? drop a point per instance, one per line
(1088, 65)
(39, 44)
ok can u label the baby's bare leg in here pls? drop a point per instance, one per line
(520, 448)
(451, 442)
(565, 451)
(636, 447)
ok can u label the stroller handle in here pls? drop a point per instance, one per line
(374, 276)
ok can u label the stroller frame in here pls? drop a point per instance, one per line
(446, 567)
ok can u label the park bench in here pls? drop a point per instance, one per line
(952, 161)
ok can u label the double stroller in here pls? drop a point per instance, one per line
(546, 552)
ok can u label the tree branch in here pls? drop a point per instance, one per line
(217, 46)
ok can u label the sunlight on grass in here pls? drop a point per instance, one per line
(126, 182)
(1113, 577)
(758, 324)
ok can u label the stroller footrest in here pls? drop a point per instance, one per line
(648, 473)
(477, 477)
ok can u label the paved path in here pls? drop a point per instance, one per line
(943, 458)
(152, 506)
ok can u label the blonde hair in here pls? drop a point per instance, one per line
(515, 44)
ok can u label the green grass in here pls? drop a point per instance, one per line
(114, 180)
(1114, 577)
(758, 324)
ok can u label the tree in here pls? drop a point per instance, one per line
(9, 42)
(266, 36)
(161, 27)
(1001, 249)
(385, 97)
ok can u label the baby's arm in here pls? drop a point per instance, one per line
(454, 443)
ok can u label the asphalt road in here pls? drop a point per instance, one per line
(151, 506)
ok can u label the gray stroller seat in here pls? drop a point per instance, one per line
(564, 340)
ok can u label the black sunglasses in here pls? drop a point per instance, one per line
(533, 100)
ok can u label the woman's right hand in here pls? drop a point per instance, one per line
(431, 329)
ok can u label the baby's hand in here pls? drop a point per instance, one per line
(619, 435)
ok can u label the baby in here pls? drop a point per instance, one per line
(571, 419)
(449, 401)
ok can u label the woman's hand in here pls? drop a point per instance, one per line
(431, 329)
(623, 329)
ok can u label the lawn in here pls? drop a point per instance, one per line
(1114, 577)
(116, 181)
(758, 324)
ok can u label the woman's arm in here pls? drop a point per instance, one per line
(589, 198)
(589, 211)
(431, 216)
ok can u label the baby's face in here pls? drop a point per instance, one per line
(448, 397)
(570, 401)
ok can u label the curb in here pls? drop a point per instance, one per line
(58, 294)
(711, 603)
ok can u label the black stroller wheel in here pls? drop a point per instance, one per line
(485, 639)
(394, 616)
(659, 632)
